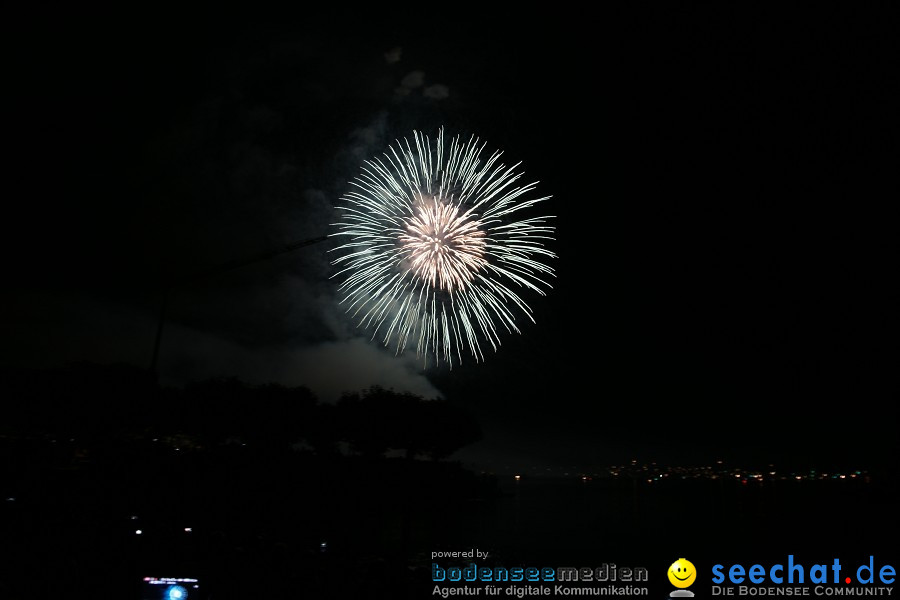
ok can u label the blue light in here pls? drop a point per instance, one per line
(176, 592)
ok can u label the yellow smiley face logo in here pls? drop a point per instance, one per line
(682, 573)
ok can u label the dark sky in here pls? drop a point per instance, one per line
(723, 184)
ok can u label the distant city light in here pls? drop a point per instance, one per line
(655, 472)
(188, 529)
(138, 532)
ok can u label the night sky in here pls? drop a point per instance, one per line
(722, 180)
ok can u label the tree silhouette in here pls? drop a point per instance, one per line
(447, 428)
(376, 420)
(89, 401)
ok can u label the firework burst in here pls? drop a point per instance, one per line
(436, 250)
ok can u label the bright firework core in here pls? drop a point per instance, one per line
(445, 247)
(440, 246)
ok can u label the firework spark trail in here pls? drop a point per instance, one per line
(436, 249)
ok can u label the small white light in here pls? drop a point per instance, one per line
(188, 529)
(138, 532)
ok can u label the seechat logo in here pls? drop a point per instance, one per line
(795, 572)
(794, 578)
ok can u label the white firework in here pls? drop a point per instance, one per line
(437, 249)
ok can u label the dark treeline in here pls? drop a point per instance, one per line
(281, 493)
(98, 404)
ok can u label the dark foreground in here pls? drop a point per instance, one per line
(258, 524)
